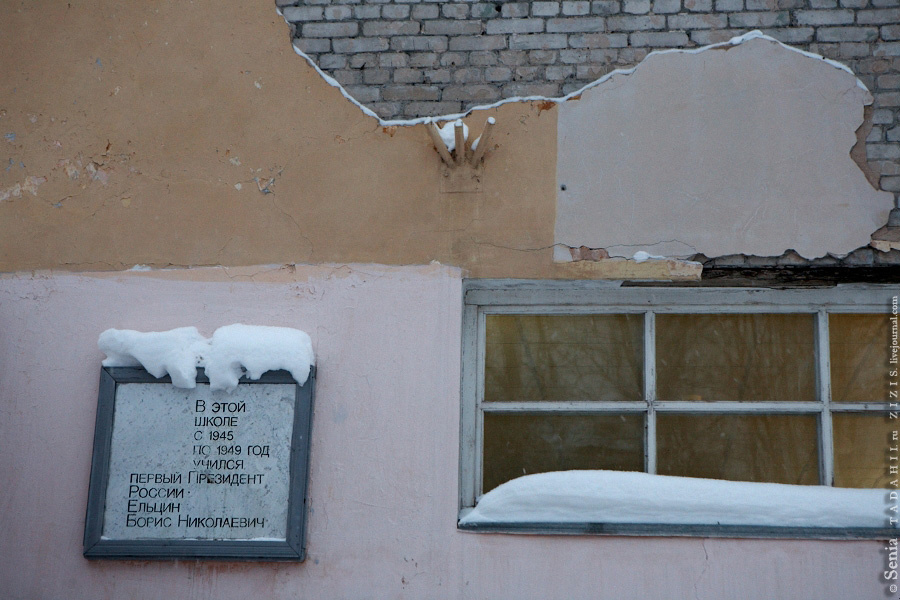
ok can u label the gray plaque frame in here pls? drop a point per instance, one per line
(292, 548)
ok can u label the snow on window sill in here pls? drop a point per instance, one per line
(623, 503)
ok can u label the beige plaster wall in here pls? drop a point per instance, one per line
(173, 133)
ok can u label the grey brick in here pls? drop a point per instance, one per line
(393, 59)
(854, 3)
(313, 46)
(636, 7)
(847, 34)
(332, 61)
(824, 17)
(573, 57)
(468, 75)
(423, 59)
(528, 73)
(792, 35)
(472, 93)
(559, 72)
(753, 20)
(513, 58)
(484, 10)
(386, 110)
(546, 90)
(483, 59)
(855, 50)
(336, 13)
(478, 42)
(635, 22)
(576, 25)
(425, 11)
(711, 21)
(454, 10)
(545, 9)
(576, 8)
(497, 74)
(406, 75)
(366, 11)
(330, 30)
(666, 6)
(889, 167)
(659, 39)
(876, 135)
(395, 11)
(363, 61)
(364, 93)
(729, 5)
(354, 45)
(389, 28)
(438, 76)
(889, 82)
(761, 4)
(712, 36)
(514, 10)
(376, 76)
(592, 72)
(890, 184)
(431, 109)
(890, 32)
(883, 151)
(823, 3)
(605, 7)
(542, 57)
(599, 40)
(449, 27)
(698, 5)
(631, 56)
(887, 49)
(434, 43)
(536, 41)
(514, 26)
(885, 3)
(604, 56)
(411, 92)
(296, 14)
(454, 59)
(887, 100)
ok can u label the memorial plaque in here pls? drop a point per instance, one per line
(198, 473)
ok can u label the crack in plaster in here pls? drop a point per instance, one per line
(570, 96)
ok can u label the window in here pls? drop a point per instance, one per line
(750, 385)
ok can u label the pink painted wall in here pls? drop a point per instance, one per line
(384, 456)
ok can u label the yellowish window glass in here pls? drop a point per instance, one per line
(748, 357)
(859, 357)
(552, 358)
(522, 444)
(770, 448)
(862, 450)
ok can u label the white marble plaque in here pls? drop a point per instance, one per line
(199, 465)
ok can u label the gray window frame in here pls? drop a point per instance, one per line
(484, 297)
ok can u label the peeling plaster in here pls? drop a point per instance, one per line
(719, 153)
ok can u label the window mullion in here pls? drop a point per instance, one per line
(823, 365)
(650, 391)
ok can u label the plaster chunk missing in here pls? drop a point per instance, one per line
(744, 151)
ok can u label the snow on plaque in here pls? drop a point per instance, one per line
(201, 463)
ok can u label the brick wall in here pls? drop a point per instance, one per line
(412, 58)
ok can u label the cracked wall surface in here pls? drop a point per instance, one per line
(740, 149)
(412, 58)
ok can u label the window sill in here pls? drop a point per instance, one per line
(672, 530)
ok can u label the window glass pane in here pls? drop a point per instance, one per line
(563, 357)
(522, 444)
(861, 450)
(773, 448)
(750, 357)
(859, 357)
